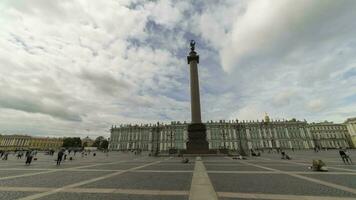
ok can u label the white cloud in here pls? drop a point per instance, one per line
(316, 105)
(66, 66)
(281, 54)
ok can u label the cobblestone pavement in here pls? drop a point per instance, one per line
(138, 177)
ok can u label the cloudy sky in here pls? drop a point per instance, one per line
(75, 67)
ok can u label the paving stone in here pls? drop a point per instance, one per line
(5, 173)
(228, 198)
(13, 195)
(345, 180)
(177, 166)
(353, 167)
(271, 184)
(249, 183)
(93, 196)
(119, 166)
(291, 168)
(55, 179)
(142, 180)
(233, 168)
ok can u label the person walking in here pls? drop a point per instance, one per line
(343, 156)
(59, 158)
(29, 156)
(6, 154)
(347, 156)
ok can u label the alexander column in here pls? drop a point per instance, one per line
(197, 142)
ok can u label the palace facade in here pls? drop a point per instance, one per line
(351, 127)
(233, 135)
(22, 142)
(330, 135)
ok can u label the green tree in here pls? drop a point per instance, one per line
(104, 144)
(72, 142)
(101, 143)
(98, 141)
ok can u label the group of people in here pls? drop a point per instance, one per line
(29, 154)
(285, 156)
(255, 152)
(62, 155)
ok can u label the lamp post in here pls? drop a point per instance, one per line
(171, 150)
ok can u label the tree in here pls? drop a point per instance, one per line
(104, 144)
(98, 141)
(72, 142)
(101, 143)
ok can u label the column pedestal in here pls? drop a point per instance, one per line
(197, 143)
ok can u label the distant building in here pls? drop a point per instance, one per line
(90, 148)
(233, 135)
(87, 142)
(19, 142)
(351, 127)
(330, 135)
(14, 142)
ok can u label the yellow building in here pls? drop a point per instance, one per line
(45, 143)
(14, 142)
(19, 142)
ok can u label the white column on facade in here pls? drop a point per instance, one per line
(287, 133)
(353, 129)
(259, 133)
(249, 144)
(248, 135)
(208, 135)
